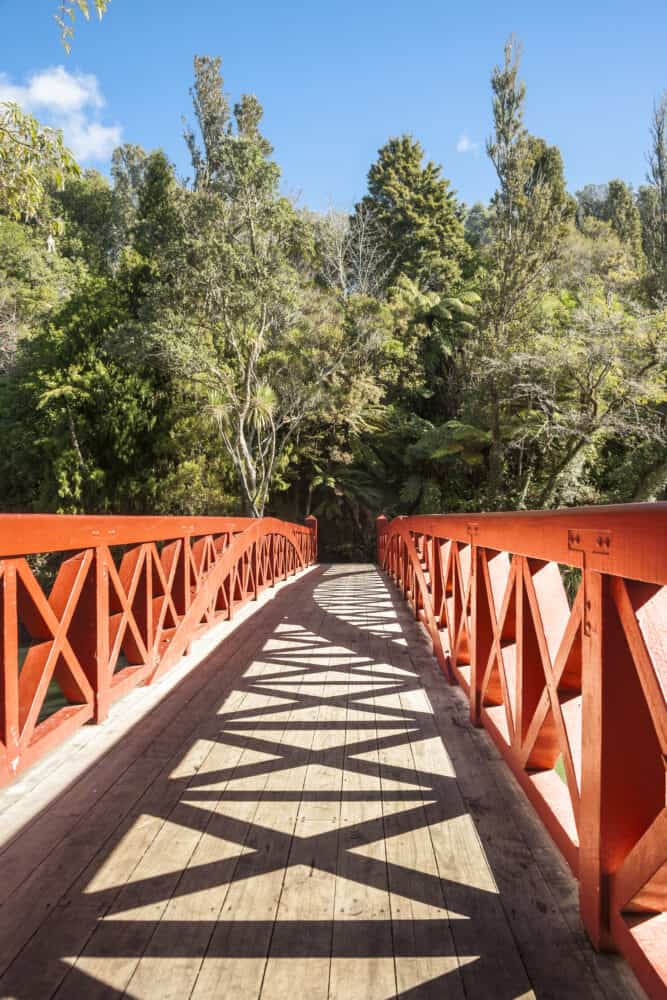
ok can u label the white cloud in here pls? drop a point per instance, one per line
(91, 140)
(466, 145)
(64, 92)
(68, 101)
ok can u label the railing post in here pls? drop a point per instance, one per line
(593, 891)
(10, 667)
(622, 782)
(381, 523)
(480, 627)
(89, 632)
(435, 573)
(103, 681)
(184, 572)
(311, 524)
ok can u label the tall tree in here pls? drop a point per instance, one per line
(623, 215)
(653, 204)
(529, 212)
(236, 315)
(418, 215)
(128, 163)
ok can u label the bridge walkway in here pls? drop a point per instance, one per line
(307, 814)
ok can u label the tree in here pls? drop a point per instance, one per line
(127, 171)
(33, 282)
(476, 225)
(354, 258)
(623, 215)
(419, 218)
(31, 157)
(592, 201)
(530, 206)
(236, 316)
(613, 203)
(594, 375)
(653, 205)
(86, 214)
(529, 212)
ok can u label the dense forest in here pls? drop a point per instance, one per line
(205, 345)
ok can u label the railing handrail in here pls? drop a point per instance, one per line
(633, 536)
(29, 534)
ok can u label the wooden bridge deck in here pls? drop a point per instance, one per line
(308, 814)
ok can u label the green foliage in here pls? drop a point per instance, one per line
(232, 315)
(419, 219)
(65, 17)
(86, 203)
(31, 156)
(615, 204)
(452, 438)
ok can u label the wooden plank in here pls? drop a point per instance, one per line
(181, 928)
(300, 951)
(360, 969)
(425, 954)
(159, 897)
(236, 959)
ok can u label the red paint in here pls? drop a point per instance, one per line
(581, 687)
(110, 623)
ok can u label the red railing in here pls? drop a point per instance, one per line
(555, 625)
(129, 594)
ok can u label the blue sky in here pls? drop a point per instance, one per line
(336, 79)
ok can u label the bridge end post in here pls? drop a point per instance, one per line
(481, 637)
(311, 523)
(9, 673)
(381, 526)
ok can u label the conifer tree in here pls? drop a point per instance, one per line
(419, 216)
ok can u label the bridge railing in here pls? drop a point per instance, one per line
(91, 607)
(555, 625)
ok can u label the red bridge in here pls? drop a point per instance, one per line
(294, 788)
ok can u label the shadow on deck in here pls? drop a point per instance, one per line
(309, 813)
